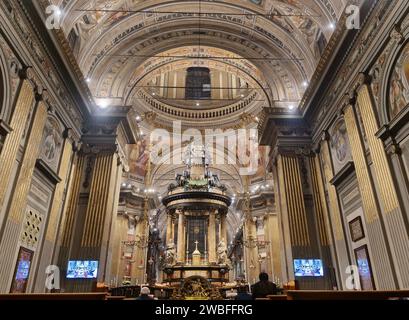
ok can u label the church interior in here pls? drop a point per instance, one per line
(189, 146)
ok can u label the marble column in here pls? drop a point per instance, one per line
(251, 250)
(211, 236)
(382, 267)
(272, 236)
(169, 227)
(181, 239)
(120, 234)
(140, 250)
(18, 199)
(392, 208)
(223, 228)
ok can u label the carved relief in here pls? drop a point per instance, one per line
(52, 143)
(339, 144)
(399, 84)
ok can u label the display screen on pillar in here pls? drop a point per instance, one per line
(308, 268)
(82, 269)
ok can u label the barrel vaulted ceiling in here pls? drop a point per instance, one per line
(276, 43)
(273, 45)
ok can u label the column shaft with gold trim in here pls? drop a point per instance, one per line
(390, 203)
(11, 145)
(56, 211)
(70, 211)
(379, 253)
(293, 204)
(322, 221)
(18, 202)
(341, 256)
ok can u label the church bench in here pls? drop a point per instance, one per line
(346, 295)
(277, 297)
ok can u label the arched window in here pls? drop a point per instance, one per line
(198, 83)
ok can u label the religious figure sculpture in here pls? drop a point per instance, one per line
(222, 253)
(170, 258)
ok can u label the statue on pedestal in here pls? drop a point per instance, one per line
(170, 258)
(222, 258)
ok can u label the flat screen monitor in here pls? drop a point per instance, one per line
(82, 269)
(308, 268)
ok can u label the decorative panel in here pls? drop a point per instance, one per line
(32, 224)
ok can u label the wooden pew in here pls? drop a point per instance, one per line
(346, 295)
(277, 297)
(53, 296)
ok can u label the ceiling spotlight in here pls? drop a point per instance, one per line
(138, 118)
(332, 26)
(197, 104)
(88, 80)
(58, 12)
(291, 107)
(305, 84)
(153, 93)
(242, 95)
(103, 104)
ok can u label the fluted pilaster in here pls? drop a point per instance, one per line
(392, 208)
(381, 263)
(11, 145)
(18, 202)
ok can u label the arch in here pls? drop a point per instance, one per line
(396, 53)
(4, 88)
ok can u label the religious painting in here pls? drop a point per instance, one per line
(22, 271)
(339, 144)
(357, 229)
(138, 158)
(364, 268)
(309, 29)
(399, 85)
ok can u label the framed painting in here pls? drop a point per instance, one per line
(364, 268)
(22, 271)
(357, 229)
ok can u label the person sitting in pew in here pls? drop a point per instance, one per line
(264, 288)
(145, 294)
